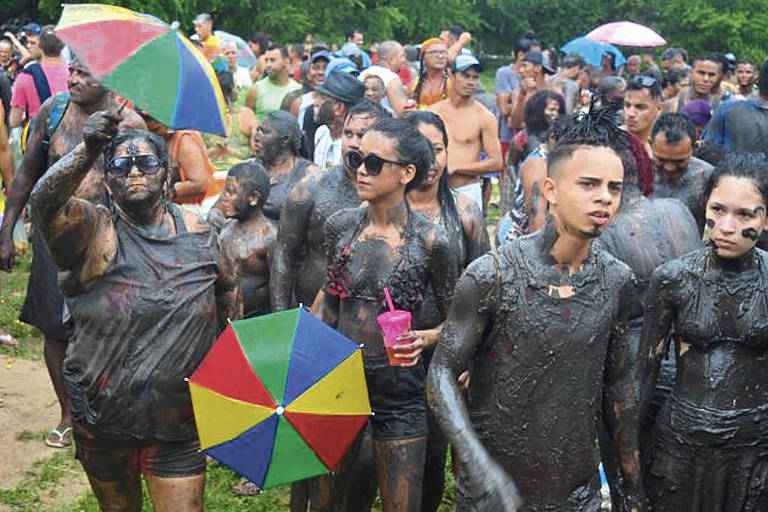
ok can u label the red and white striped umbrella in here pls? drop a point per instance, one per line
(626, 33)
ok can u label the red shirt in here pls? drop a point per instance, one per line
(24, 95)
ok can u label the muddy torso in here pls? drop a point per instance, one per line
(250, 245)
(359, 269)
(721, 318)
(332, 192)
(141, 328)
(537, 376)
(688, 187)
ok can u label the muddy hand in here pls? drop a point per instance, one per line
(409, 353)
(494, 491)
(100, 129)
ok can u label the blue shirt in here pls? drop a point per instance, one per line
(739, 126)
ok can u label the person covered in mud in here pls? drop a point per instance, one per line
(645, 233)
(149, 291)
(709, 448)
(386, 244)
(250, 239)
(464, 224)
(278, 142)
(541, 324)
(300, 261)
(678, 173)
(58, 128)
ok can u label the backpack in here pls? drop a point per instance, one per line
(59, 105)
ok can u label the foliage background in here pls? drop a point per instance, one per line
(697, 25)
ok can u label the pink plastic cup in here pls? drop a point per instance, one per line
(393, 324)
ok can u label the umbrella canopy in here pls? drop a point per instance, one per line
(245, 56)
(627, 33)
(280, 397)
(145, 61)
(592, 51)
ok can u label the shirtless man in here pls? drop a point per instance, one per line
(249, 240)
(44, 305)
(678, 173)
(313, 200)
(472, 128)
(541, 324)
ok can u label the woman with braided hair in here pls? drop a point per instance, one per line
(433, 82)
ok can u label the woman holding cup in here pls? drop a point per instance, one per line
(385, 244)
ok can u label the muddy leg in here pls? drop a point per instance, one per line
(434, 467)
(400, 465)
(181, 494)
(54, 352)
(356, 483)
(121, 496)
(299, 496)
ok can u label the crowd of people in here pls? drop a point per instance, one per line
(619, 318)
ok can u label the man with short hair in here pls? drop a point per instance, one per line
(241, 75)
(533, 68)
(678, 174)
(746, 76)
(673, 58)
(44, 304)
(742, 126)
(8, 62)
(355, 36)
(391, 59)
(39, 81)
(706, 73)
(541, 325)
(566, 80)
(204, 31)
(633, 66)
(267, 94)
(507, 80)
(472, 128)
(333, 100)
(642, 105)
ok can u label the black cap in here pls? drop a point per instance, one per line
(539, 59)
(343, 87)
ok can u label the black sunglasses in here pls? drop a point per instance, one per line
(644, 80)
(373, 162)
(146, 164)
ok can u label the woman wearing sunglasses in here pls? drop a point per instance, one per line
(149, 292)
(463, 222)
(384, 243)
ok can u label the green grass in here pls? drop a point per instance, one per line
(13, 289)
(37, 487)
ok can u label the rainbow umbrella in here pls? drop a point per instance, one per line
(147, 62)
(280, 397)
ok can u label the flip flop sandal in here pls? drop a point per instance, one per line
(62, 441)
(246, 488)
(7, 340)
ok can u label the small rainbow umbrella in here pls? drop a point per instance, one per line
(280, 397)
(147, 62)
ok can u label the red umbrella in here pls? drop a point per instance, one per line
(626, 33)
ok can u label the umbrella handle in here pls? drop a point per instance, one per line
(120, 110)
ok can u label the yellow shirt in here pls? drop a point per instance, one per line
(211, 47)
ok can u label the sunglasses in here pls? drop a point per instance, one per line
(146, 164)
(644, 80)
(373, 162)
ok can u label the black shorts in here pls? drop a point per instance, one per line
(113, 460)
(398, 401)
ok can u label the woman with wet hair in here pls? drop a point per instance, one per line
(280, 145)
(385, 243)
(463, 222)
(149, 291)
(709, 449)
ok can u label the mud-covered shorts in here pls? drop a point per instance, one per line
(398, 400)
(114, 460)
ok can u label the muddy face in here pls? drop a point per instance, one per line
(736, 216)
(585, 192)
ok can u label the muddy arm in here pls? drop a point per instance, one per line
(491, 488)
(228, 302)
(291, 233)
(475, 231)
(622, 396)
